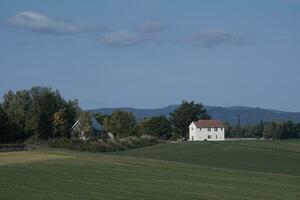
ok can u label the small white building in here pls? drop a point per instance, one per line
(207, 130)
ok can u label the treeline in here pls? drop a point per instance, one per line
(124, 124)
(39, 112)
(43, 113)
(268, 130)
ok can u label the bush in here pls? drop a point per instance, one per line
(12, 147)
(59, 142)
(135, 142)
(148, 140)
(101, 146)
(35, 140)
(114, 145)
(125, 142)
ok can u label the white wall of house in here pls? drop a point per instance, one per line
(209, 134)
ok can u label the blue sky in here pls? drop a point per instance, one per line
(151, 53)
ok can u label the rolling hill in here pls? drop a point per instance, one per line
(228, 114)
(248, 170)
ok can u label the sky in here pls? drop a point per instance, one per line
(154, 53)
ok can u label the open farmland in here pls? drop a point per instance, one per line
(225, 170)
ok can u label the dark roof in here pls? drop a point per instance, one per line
(212, 123)
(96, 125)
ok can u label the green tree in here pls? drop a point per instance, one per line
(156, 126)
(64, 119)
(143, 127)
(48, 102)
(269, 130)
(122, 124)
(228, 128)
(100, 117)
(17, 106)
(258, 130)
(71, 113)
(30, 112)
(106, 124)
(6, 133)
(186, 113)
(59, 123)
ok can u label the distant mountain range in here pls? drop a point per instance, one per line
(248, 115)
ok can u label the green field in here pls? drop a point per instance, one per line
(225, 170)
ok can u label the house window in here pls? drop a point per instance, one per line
(192, 128)
(200, 129)
(216, 136)
(216, 129)
(209, 129)
(221, 129)
(209, 137)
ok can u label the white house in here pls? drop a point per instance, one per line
(207, 130)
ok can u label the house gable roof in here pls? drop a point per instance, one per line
(96, 125)
(212, 123)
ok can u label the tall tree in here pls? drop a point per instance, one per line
(156, 126)
(64, 119)
(6, 133)
(122, 124)
(17, 106)
(143, 127)
(49, 102)
(269, 130)
(186, 113)
(59, 123)
(30, 112)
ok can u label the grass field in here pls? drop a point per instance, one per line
(226, 170)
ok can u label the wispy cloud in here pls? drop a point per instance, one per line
(140, 34)
(150, 27)
(39, 23)
(121, 38)
(146, 32)
(214, 37)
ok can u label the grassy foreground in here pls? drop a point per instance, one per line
(227, 170)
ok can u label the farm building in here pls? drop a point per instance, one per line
(97, 129)
(207, 130)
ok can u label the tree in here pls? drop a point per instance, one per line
(48, 102)
(258, 130)
(59, 123)
(71, 112)
(122, 123)
(269, 130)
(186, 113)
(106, 124)
(228, 128)
(64, 119)
(6, 133)
(143, 127)
(17, 106)
(279, 130)
(100, 117)
(156, 126)
(31, 112)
